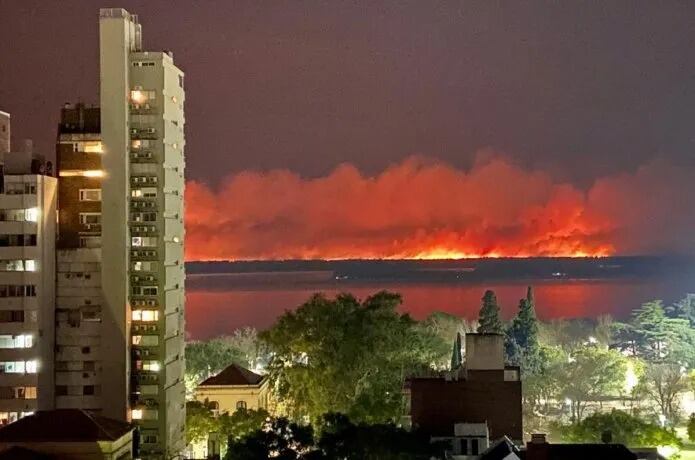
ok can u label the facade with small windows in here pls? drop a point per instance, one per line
(27, 289)
(235, 388)
(232, 389)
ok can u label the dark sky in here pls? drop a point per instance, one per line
(579, 89)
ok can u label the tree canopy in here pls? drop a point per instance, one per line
(343, 355)
(489, 321)
(622, 428)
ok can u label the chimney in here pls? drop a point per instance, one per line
(538, 438)
(538, 448)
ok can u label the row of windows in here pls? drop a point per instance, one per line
(19, 215)
(18, 367)
(74, 317)
(144, 414)
(143, 217)
(147, 365)
(17, 265)
(145, 315)
(11, 417)
(144, 241)
(76, 366)
(144, 192)
(146, 340)
(144, 266)
(143, 229)
(20, 188)
(11, 316)
(144, 290)
(16, 341)
(17, 240)
(17, 290)
(87, 147)
(78, 390)
(17, 392)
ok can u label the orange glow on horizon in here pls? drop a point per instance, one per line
(426, 210)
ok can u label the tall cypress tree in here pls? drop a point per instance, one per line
(522, 335)
(489, 321)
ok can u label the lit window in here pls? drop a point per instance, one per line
(90, 194)
(138, 96)
(93, 147)
(30, 265)
(145, 315)
(136, 414)
(31, 367)
(152, 366)
(81, 173)
(31, 214)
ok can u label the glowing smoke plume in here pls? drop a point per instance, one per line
(425, 209)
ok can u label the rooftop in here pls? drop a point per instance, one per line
(64, 425)
(233, 375)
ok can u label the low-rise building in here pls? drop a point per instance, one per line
(472, 405)
(234, 388)
(67, 434)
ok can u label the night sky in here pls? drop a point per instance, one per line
(565, 95)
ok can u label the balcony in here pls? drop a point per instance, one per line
(142, 156)
(143, 133)
(143, 377)
(142, 109)
(143, 255)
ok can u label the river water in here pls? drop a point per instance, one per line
(219, 303)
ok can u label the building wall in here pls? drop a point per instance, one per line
(227, 396)
(116, 39)
(27, 208)
(78, 357)
(436, 405)
(142, 235)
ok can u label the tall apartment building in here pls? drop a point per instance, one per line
(120, 260)
(78, 306)
(27, 271)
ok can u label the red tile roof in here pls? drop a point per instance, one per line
(64, 425)
(233, 375)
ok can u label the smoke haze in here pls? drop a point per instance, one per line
(420, 208)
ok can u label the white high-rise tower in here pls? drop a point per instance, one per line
(142, 234)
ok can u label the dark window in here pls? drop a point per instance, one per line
(464, 446)
(241, 404)
(474, 447)
(11, 316)
(61, 390)
(88, 390)
(86, 350)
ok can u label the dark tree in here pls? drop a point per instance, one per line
(522, 346)
(489, 321)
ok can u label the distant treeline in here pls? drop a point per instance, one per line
(464, 270)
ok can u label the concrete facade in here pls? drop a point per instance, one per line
(142, 235)
(482, 391)
(27, 293)
(78, 321)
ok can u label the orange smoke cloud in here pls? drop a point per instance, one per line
(425, 209)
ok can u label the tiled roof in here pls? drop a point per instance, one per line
(233, 375)
(64, 425)
(584, 452)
